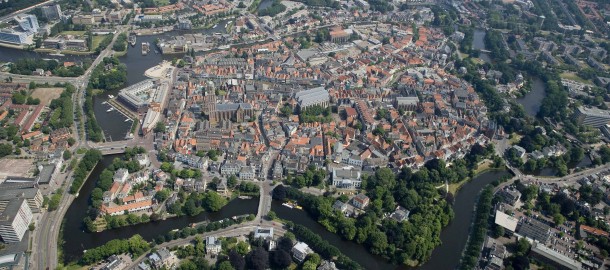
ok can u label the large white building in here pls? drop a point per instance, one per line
(15, 217)
(312, 97)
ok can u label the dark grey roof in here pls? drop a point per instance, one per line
(233, 106)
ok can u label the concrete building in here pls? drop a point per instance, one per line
(347, 177)
(14, 37)
(135, 96)
(52, 12)
(554, 258)
(15, 217)
(592, 116)
(28, 23)
(30, 193)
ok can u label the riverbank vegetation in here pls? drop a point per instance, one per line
(401, 243)
(322, 247)
(120, 44)
(87, 163)
(478, 230)
(135, 245)
(108, 75)
(62, 109)
(25, 66)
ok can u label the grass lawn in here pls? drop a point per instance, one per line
(515, 140)
(161, 2)
(74, 33)
(455, 187)
(96, 42)
(574, 77)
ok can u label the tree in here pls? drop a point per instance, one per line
(280, 259)
(558, 219)
(67, 155)
(523, 246)
(237, 260)
(160, 127)
(231, 181)
(498, 231)
(225, 265)
(279, 193)
(5, 150)
(213, 202)
(258, 259)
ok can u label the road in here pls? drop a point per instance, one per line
(232, 231)
(10, 16)
(567, 180)
(46, 237)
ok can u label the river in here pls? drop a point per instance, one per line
(453, 237)
(76, 240)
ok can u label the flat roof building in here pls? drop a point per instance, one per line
(15, 217)
(592, 116)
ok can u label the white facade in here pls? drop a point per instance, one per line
(16, 217)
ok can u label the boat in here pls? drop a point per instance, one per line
(216, 25)
(145, 48)
(128, 119)
(227, 25)
(57, 54)
(109, 110)
(105, 102)
(110, 96)
(132, 39)
(287, 205)
(245, 197)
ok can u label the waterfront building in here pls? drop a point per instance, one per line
(9, 35)
(184, 24)
(300, 251)
(137, 96)
(15, 217)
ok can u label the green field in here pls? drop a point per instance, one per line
(574, 77)
(74, 33)
(96, 42)
(160, 3)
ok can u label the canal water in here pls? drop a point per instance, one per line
(76, 240)
(113, 123)
(478, 42)
(532, 100)
(453, 237)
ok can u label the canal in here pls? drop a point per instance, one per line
(115, 125)
(453, 237)
(532, 100)
(76, 240)
(478, 43)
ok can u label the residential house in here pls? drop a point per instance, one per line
(213, 245)
(360, 201)
(300, 251)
